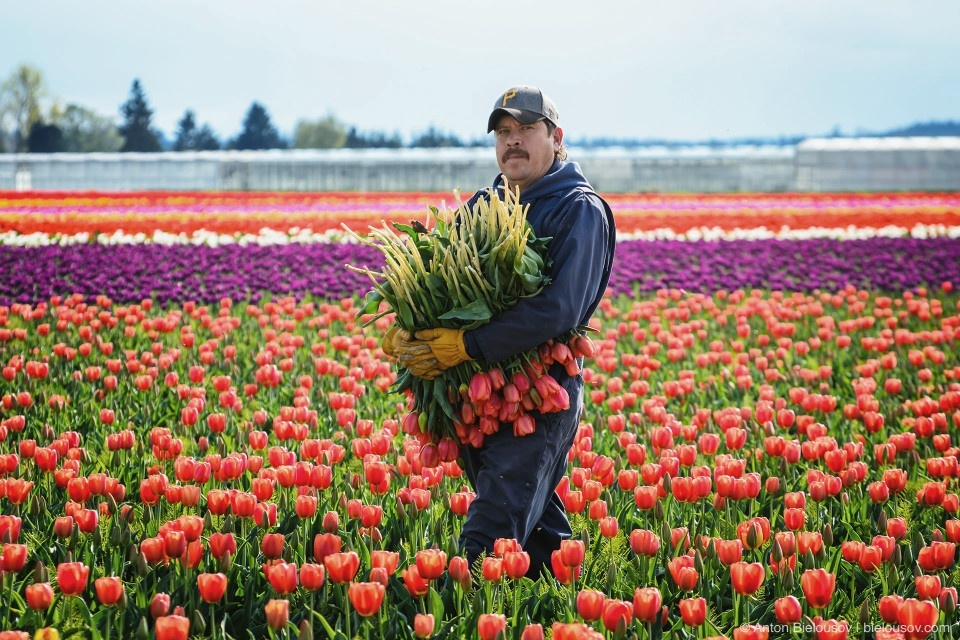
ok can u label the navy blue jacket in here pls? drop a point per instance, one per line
(564, 207)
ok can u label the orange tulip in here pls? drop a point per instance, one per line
(423, 624)
(172, 628)
(109, 590)
(564, 574)
(516, 564)
(489, 625)
(416, 586)
(431, 563)
(282, 577)
(277, 613)
(342, 567)
(747, 577)
(693, 611)
(14, 557)
(366, 597)
(751, 632)
(212, 586)
(788, 609)
(818, 585)
(590, 604)
(646, 603)
(616, 613)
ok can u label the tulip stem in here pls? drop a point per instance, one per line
(346, 611)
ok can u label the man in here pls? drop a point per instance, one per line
(515, 477)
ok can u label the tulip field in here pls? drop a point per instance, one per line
(199, 437)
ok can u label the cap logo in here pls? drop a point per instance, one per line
(506, 96)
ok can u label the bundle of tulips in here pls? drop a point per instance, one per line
(470, 265)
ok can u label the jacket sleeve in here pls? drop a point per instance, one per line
(579, 247)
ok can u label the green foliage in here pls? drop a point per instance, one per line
(85, 131)
(20, 97)
(325, 133)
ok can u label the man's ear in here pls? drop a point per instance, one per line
(557, 138)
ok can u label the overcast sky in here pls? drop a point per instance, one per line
(681, 69)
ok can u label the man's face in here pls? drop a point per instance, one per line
(525, 152)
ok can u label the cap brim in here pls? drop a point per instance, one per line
(521, 115)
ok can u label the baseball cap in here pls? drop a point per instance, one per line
(526, 104)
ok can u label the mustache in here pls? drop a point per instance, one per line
(514, 153)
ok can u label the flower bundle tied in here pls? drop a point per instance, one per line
(470, 266)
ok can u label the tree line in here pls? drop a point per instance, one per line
(26, 127)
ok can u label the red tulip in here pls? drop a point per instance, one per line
(221, 544)
(431, 563)
(325, 544)
(306, 506)
(871, 558)
(728, 551)
(751, 632)
(489, 625)
(38, 595)
(572, 552)
(788, 609)
(277, 613)
(312, 576)
(459, 570)
(617, 613)
(747, 577)
(928, 587)
(423, 624)
(693, 611)
(646, 603)
(11, 525)
(342, 567)
(212, 586)
(683, 572)
(492, 569)
(14, 557)
(889, 608)
(72, 578)
(385, 559)
(159, 605)
(830, 629)
(272, 545)
(366, 597)
(282, 577)
(516, 564)
(172, 628)
(109, 590)
(590, 604)
(534, 632)
(416, 586)
(644, 542)
(564, 574)
(818, 585)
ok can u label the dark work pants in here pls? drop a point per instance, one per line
(515, 480)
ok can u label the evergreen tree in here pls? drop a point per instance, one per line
(138, 135)
(190, 138)
(258, 132)
(205, 139)
(186, 129)
(45, 138)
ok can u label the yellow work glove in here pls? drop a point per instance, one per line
(392, 338)
(446, 345)
(414, 355)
